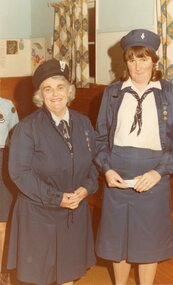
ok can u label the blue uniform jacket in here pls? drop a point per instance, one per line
(107, 121)
(41, 164)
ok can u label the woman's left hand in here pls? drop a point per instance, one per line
(82, 193)
(146, 181)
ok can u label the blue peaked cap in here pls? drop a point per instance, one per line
(140, 37)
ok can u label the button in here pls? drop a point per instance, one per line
(165, 113)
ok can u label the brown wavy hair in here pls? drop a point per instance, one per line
(140, 52)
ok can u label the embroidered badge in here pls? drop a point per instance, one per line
(13, 110)
(2, 120)
(142, 36)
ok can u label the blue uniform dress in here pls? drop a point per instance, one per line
(8, 119)
(134, 226)
(49, 243)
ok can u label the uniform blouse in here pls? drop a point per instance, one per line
(8, 119)
(149, 136)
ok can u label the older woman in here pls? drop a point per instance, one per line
(51, 163)
(135, 151)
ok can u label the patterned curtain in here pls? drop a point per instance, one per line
(165, 30)
(71, 38)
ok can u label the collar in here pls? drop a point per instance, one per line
(58, 119)
(152, 84)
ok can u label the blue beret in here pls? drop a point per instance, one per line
(48, 69)
(141, 37)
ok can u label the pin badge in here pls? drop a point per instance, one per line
(165, 115)
(165, 112)
(62, 65)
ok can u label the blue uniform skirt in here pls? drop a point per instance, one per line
(136, 227)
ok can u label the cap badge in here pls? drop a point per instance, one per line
(142, 36)
(62, 65)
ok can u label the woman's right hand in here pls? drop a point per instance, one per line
(70, 201)
(113, 179)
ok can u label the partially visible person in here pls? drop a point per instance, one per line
(135, 152)
(8, 119)
(51, 162)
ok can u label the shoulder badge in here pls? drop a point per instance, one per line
(13, 110)
(1, 118)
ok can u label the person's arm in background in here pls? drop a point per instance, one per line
(12, 120)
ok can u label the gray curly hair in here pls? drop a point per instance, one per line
(38, 98)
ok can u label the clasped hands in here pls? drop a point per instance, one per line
(72, 200)
(144, 182)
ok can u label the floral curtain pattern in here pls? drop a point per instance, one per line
(165, 30)
(71, 38)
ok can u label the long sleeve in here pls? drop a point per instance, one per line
(104, 125)
(165, 166)
(22, 172)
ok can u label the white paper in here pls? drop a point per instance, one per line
(131, 182)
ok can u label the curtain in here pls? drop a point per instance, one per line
(71, 38)
(164, 11)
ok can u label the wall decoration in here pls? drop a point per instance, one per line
(12, 47)
(21, 44)
(48, 48)
(38, 52)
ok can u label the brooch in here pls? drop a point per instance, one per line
(115, 95)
